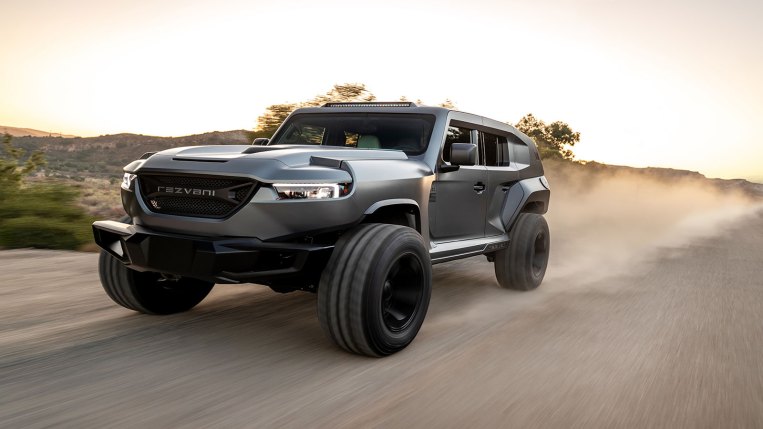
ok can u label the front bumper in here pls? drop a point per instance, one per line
(221, 259)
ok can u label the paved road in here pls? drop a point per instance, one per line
(672, 338)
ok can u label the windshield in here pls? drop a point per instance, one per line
(409, 133)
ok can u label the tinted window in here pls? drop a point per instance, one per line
(495, 149)
(406, 132)
(305, 134)
(455, 135)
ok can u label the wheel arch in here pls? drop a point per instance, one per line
(401, 211)
(526, 196)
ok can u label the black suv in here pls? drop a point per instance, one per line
(354, 201)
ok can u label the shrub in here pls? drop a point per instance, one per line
(47, 233)
(43, 215)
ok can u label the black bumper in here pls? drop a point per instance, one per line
(219, 259)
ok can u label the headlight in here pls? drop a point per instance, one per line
(127, 182)
(310, 191)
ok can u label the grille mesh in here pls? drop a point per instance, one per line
(230, 195)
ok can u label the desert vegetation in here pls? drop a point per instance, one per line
(37, 214)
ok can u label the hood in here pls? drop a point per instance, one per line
(263, 163)
(291, 155)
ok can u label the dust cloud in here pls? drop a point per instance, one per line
(604, 221)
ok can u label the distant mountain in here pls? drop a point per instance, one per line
(20, 132)
(104, 156)
(672, 175)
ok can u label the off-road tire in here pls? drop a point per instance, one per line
(522, 265)
(148, 292)
(374, 293)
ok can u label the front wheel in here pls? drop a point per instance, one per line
(148, 292)
(374, 292)
(522, 265)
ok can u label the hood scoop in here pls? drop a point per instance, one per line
(198, 159)
(258, 149)
(208, 154)
(325, 162)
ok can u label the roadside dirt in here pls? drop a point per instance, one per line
(649, 317)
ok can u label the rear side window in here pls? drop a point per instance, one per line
(455, 135)
(495, 149)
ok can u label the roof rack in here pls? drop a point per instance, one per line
(373, 104)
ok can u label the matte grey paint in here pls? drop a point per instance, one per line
(471, 208)
(463, 154)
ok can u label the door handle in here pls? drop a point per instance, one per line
(479, 187)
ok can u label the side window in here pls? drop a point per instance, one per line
(503, 152)
(455, 135)
(521, 151)
(495, 149)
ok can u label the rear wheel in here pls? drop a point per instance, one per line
(522, 265)
(148, 292)
(374, 294)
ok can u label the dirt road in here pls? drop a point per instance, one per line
(649, 317)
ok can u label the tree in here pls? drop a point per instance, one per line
(554, 140)
(345, 93)
(274, 115)
(37, 214)
(448, 104)
(12, 169)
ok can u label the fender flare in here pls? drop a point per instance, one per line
(392, 202)
(414, 220)
(528, 195)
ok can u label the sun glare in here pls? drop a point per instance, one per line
(175, 69)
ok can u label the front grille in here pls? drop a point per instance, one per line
(195, 196)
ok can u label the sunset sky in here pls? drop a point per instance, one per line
(648, 83)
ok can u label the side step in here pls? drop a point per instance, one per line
(452, 250)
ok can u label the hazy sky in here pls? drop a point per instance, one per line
(661, 83)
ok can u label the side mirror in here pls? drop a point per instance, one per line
(463, 154)
(260, 141)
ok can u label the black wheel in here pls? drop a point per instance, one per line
(147, 292)
(522, 265)
(374, 292)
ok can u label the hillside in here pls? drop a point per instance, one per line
(95, 164)
(668, 176)
(20, 132)
(104, 156)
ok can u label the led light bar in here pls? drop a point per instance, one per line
(373, 104)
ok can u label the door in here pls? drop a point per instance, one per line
(457, 203)
(501, 176)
